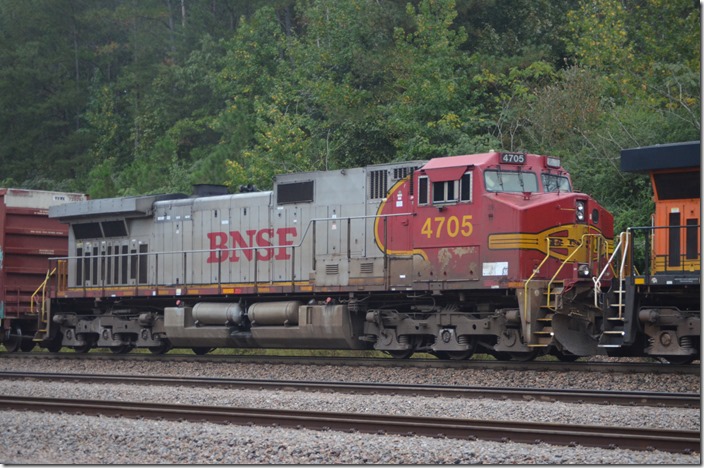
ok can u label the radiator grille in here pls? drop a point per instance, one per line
(377, 184)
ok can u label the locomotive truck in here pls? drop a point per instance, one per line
(489, 252)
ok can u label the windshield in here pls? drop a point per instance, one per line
(510, 181)
(556, 183)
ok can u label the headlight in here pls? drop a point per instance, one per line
(583, 270)
(580, 211)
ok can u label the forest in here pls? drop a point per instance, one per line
(129, 97)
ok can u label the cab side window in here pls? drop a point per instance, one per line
(450, 191)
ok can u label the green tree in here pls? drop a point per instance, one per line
(436, 109)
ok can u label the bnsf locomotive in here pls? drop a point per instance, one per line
(489, 252)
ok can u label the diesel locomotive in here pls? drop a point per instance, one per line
(489, 252)
(655, 305)
(492, 253)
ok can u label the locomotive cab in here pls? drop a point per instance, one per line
(488, 234)
(489, 220)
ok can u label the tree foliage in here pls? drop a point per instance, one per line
(118, 97)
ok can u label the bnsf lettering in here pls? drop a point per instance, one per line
(224, 241)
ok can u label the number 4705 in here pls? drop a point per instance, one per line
(450, 225)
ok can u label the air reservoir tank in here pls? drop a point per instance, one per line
(274, 313)
(213, 313)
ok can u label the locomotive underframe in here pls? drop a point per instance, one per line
(455, 324)
(452, 323)
(670, 318)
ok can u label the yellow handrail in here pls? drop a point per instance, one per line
(535, 271)
(582, 243)
(41, 287)
(564, 262)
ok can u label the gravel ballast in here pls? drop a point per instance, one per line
(32, 438)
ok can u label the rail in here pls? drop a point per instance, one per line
(683, 441)
(599, 397)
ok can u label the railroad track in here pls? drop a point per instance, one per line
(556, 366)
(606, 397)
(503, 431)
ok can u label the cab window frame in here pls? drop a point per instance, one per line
(494, 181)
(445, 192)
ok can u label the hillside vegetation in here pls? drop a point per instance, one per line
(125, 97)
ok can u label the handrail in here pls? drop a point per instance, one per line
(43, 318)
(42, 286)
(535, 271)
(564, 262)
(567, 259)
(622, 241)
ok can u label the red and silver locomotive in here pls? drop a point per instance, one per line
(488, 252)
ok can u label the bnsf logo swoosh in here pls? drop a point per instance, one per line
(563, 240)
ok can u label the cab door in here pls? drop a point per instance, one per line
(443, 229)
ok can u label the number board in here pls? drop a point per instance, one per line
(513, 158)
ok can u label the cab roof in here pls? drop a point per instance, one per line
(659, 157)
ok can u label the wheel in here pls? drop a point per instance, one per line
(565, 356)
(501, 356)
(27, 345)
(459, 355)
(524, 357)
(121, 349)
(472, 343)
(401, 354)
(201, 350)
(82, 349)
(54, 345)
(680, 360)
(161, 349)
(13, 343)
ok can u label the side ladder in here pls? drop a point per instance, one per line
(614, 301)
(42, 309)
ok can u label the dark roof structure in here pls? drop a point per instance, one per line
(659, 157)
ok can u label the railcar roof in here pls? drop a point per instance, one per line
(465, 160)
(657, 157)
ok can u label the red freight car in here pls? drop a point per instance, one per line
(27, 239)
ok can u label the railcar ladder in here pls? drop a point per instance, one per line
(550, 302)
(614, 325)
(42, 309)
